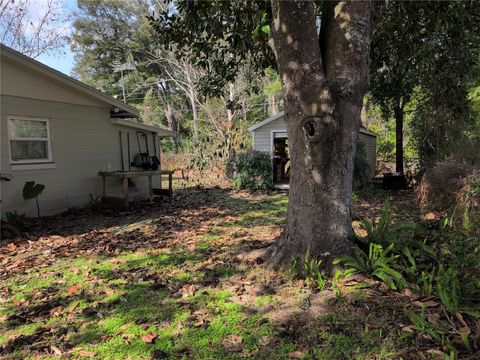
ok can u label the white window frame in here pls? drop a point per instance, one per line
(48, 139)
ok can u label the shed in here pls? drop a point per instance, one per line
(270, 136)
(59, 132)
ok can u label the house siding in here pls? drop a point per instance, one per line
(19, 80)
(262, 140)
(83, 143)
(370, 143)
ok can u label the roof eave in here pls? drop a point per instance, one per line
(160, 131)
(48, 71)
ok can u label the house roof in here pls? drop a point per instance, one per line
(161, 132)
(120, 109)
(281, 114)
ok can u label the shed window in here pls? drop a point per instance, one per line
(29, 140)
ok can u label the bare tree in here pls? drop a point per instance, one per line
(185, 77)
(33, 27)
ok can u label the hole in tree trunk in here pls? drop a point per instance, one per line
(309, 127)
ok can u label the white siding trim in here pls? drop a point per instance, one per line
(272, 136)
(49, 140)
(33, 166)
(161, 132)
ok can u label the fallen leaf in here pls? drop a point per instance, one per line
(465, 331)
(149, 338)
(123, 327)
(200, 323)
(433, 318)
(86, 353)
(265, 340)
(427, 303)
(430, 216)
(128, 336)
(460, 318)
(299, 354)
(75, 289)
(233, 343)
(407, 329)
(56, 350)
(56, 311)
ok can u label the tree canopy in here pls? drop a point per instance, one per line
(425, 51)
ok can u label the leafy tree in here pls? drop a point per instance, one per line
(108, 34)
(424, 49)
(324, 75)
(113, 35)
(273, 90)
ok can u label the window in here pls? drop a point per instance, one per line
(29, 140)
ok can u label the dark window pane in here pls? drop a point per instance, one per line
(29, 150)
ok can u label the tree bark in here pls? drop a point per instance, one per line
(324, 83)
(398, 110)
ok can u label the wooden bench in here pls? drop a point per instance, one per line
(125, 175)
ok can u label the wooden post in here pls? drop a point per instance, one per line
(104, 186)
(150, 190)
(170, 190)
(125, 192)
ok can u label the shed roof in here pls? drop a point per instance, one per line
(282, 113)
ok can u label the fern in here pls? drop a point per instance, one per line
(313, 274)
(379, 263)
(385, 231)
(448, 288)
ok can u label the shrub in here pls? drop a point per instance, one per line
(453, 189)
(440, 185)
(362, 173)
(254, 171)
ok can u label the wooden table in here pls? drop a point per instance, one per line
(125, 175)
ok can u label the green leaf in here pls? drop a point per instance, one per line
(32, 190)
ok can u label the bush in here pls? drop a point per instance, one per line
(440, 186)
(362, 173)
(253, 171)
(453, 189)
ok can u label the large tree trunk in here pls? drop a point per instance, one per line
(398, 110)
(324, 83)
